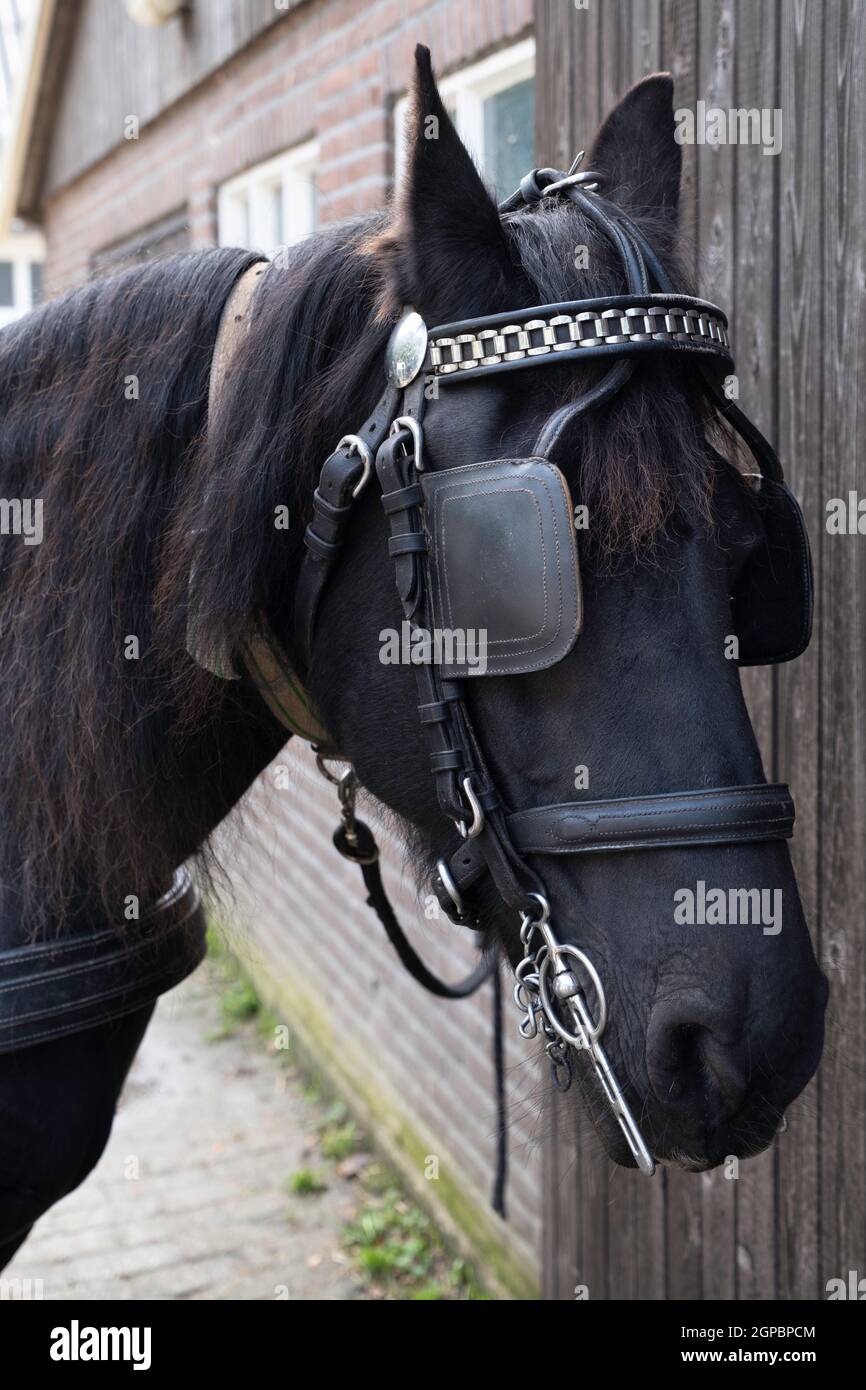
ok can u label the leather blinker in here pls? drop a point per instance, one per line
(503, 564)
(773, 600)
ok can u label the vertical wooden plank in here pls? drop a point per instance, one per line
(566, 110)
(603, 1228)
(842, 570)
(615, 52)
(554, 64)
(680, 31)
(646, 38)
(631, 47)
(801, 359)
(754, 309)
(559, 1235)
(593, 1228)
(587, 98)
(683, 1213)
(715, 251)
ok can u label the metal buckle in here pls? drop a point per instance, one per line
(407, 422)
(453, 892)
(356, 445)
(477, 823)
(587, 179)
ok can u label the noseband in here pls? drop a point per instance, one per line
(520, 512)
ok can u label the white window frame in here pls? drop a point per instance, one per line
(22, 249)
(465, 91)
(245, 202)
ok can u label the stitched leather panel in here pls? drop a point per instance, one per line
(504, 571)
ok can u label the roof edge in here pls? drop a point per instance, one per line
(22, 166)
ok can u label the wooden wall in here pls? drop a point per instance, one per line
(780, 242)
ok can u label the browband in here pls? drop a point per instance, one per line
(578, 328)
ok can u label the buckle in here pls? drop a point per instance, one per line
(477, 823)
(354, 444)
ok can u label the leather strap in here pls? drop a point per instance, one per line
(711, 816)
(720, 815)
(263, 656)
(332, 508)
(51, 988)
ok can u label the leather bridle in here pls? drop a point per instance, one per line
(494, 841)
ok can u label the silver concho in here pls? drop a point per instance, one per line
(407, 349)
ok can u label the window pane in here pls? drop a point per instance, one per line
(276, 195)
(509, 135)
(7, 298)
(35, 282)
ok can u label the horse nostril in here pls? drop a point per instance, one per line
(690, 1067)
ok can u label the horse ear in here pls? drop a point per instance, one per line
(447, 236)
(637, 152)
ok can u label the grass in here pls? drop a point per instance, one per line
(306, 1183)
(397, 1250)
(238, 999)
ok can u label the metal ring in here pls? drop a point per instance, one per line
(328, 775)
(597, 1027)
(408, 422)
(477, 824)
(528, 923)
(450, 887)
(357, 445)
(545, 911)
(347, 786)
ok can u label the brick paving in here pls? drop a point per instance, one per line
(189, 1199)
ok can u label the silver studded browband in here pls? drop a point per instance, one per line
(577, 328)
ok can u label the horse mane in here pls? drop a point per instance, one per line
(104, 397)
(109, 763)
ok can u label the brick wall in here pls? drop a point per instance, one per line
(332, 69)
(418, 1067)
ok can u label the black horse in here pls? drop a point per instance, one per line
(120, 754)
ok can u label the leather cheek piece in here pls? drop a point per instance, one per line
(504, 573)
(772, 604)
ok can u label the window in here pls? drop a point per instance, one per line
(35, 282)
(271, 205)
(162, 238)
(492, 104)
(21, 255)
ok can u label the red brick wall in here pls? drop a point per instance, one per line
(332, 69)
(421, 1068)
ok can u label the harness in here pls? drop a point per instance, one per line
(492, 545)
